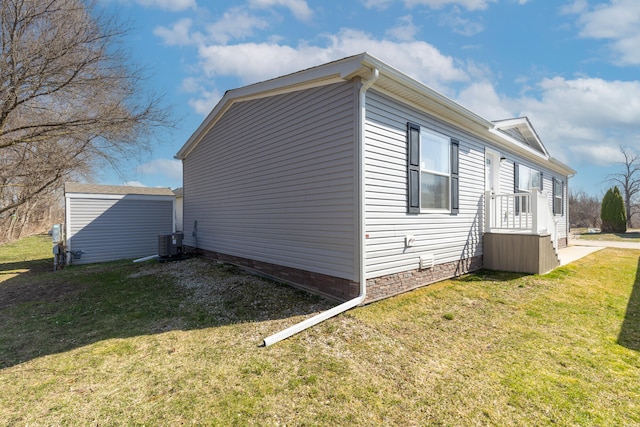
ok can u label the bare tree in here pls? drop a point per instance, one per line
(629, 181)
(69, 97)
(585, 209)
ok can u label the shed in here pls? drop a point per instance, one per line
(107, 223)
(354, 180)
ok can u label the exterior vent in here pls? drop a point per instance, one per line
(426, 261)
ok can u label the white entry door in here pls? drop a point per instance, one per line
(491, 171)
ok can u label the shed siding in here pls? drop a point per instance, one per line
(447, 237)
(275, 181)
(111, 229)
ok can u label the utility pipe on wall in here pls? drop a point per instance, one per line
(305, 324)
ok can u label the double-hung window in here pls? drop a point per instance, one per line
(558, 197)
(432, 164)
(525, 180)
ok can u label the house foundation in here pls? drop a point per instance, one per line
(343, 290)
(393, 284)
(331, 287)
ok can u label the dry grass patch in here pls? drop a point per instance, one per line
(178, 343)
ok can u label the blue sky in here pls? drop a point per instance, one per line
(570, 66)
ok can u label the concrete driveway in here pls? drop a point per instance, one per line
(579, 248)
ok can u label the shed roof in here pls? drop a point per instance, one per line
(75, 187)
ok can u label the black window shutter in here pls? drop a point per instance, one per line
(516, 187)
(455, 182)
(561, 197)
(541, 182)
(553, 195)
(413, 168)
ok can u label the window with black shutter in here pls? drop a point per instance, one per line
(516, 186)
(432, 171)
(455, 182)
(558, 197)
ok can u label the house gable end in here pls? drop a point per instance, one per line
(521, 130)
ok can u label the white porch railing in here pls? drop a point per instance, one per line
(520, 212)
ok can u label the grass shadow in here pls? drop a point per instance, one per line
(21, 267)
(45, 312)
(630, 332)
(484, 275)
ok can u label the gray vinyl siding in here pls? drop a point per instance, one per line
(112, 229)
(275, 181)
(445, 236)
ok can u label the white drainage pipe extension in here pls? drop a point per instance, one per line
(147, 258)
(299, 327)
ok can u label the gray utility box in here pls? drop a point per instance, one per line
(170, 245)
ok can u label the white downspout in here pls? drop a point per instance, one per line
(299, 327)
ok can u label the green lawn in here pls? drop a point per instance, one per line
(178, 343)
(629, 236)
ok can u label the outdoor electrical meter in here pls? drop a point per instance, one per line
(56, 233)
(57, 238)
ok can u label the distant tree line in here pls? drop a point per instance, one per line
(584, 210)
(592, 211)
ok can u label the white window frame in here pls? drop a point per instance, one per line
(529, 185)
(556, 195)
(423, 170)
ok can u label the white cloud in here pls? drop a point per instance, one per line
(253, 62)
(577, 7)
(172, 5)
(592, 100)
(134, 184)
(177, 35)
(299, 8)
(438, 4)
(483, 99)
(461, 25)
(190, 85)
(405, 30)
(580, 121)
(584, 119)
(205, 103)
(236, 23)
(434, 4)
(170, 168)
(617, 21)
(204, 100)
(605, 153)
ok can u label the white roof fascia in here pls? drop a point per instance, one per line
(341, 70)
(99, 196)
(564, 169)
(362, 65)
(416, 86)
(514, 144)
(518, 147)
(326, 74)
